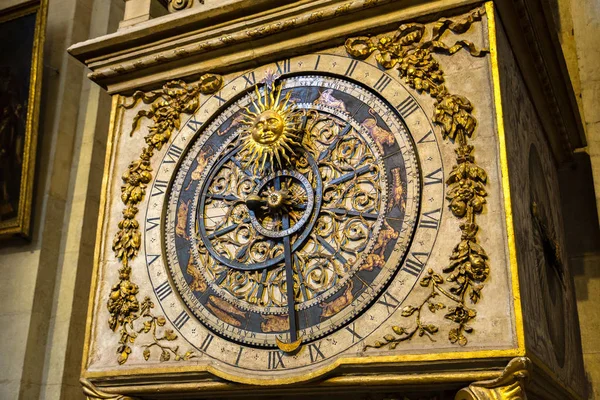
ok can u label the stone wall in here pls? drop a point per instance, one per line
(45, 283)
(579, 29)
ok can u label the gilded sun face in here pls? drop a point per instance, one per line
(271, 129)
(268, 127)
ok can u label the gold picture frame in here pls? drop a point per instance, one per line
(23, 31)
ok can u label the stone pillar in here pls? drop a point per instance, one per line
(137, 11)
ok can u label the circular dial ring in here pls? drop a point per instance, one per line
(197, 292)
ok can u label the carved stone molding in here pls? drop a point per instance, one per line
(91, 392)
(157, 50)
(509, 386)
(221, 40)
(178, 5)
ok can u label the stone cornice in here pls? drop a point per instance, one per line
(235, 35)
(152, 52)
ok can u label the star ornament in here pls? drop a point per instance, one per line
(270, 129)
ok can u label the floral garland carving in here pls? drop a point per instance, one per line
(413, 57)
(126, 313)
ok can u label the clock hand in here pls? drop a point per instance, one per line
(227, 229)
(254, 202)
(349, 175)
(226, 197)
(289, 276)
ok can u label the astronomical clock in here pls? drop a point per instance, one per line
(357, 198)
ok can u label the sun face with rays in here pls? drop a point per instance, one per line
(271, 129)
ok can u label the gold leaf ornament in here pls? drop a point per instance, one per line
(360, 47)
(210, 83)
(127, 315)
(453, 113)
(508, 386)
(414, 59)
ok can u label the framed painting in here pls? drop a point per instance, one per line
(22, 30)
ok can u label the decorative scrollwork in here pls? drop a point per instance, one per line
(167, 105)
(353, 189)
(178, 5)
(413, 57)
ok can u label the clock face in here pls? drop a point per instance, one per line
(289, 214)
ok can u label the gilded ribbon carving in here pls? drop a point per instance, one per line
(127, 315)
(414, 58)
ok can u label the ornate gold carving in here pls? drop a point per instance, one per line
(318, 271)
(271, 129)
(91, 392)
(175, 98)
(413, 57)
(509, 386)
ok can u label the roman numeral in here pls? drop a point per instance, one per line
(153, 222)
(413, 265)
(173, 153)
(407, 107)
(353, 332)
(275, 360)
(317, 63)
(194, 124)
(315, 352)
(239, 356)
(250, 79)
(218, 97)
(163, 290)
(382, 83)
(150, 258)
(427, 135)
(283, 67)
(432, 179)
(351, 68)
(207, 341)
(431, 219)
(389, 301)
(181, 320)
(159, 187)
